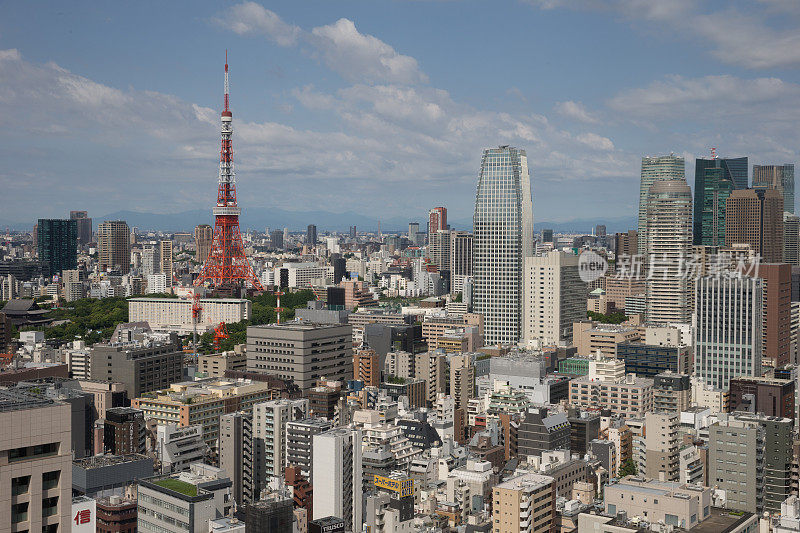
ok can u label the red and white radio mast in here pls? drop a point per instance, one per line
(226, 264)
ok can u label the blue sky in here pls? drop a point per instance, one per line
(383, 107)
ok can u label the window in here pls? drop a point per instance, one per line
(20, 485)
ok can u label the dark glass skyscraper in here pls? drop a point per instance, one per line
(714, 179)
(57, 244)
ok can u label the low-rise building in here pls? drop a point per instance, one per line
(654, 501)
(175, 314)
(185, 501)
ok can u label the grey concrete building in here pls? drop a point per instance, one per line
(236, 449)
(183, 502)
(750, 457)
(35, 463)
(661, 446)
(299, 441)
(300, 351)
(107, 472)
(142, 364)
(541, 432)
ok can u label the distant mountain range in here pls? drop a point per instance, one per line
(275, 218)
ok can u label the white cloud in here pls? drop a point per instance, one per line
(357, 56)
(252, 18)
(755, 117)
(354, 55)
(595, 141)
(745, 34)
(576, 111)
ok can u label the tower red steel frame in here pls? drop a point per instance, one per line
(227, 263)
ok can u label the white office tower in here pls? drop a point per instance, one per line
(336, 459)
(668, 167)
(791, 239)
(555, 297)
(503, 237)
(728, 329)
(669, 248)
(269, 433)
(460, 260)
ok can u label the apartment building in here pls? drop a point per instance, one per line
(202, 403)
(524, 504)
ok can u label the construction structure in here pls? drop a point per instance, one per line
(227, 265)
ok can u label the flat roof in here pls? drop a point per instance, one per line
(14, 400)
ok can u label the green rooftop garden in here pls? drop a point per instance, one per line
(177, 485)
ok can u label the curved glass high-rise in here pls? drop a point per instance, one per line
(503, 237)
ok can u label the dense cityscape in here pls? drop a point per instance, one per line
(495, 377)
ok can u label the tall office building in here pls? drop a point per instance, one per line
(555, 297)
(437, 220)
(668, 246)
(713, 184)
(439, 249)
(353, 232)
(729, 331)
(311, 235)
(626, 244)
(84, 224)
(203, 235)
(57, 244)
(503, 226)
(337, 467)
(791, 239)
(778, 177)
(547, 235)
(113, 239)
(755, 217)
(276, 239)
(460, 259)
(668, 167)
(35, 463)
(777, 311)
(165, 254)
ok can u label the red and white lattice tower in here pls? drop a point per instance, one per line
(227, 265)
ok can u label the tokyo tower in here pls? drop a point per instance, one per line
(226, 264)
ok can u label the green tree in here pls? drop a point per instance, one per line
(617, 317)
(628, 468)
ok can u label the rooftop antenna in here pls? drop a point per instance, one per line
(713, 152)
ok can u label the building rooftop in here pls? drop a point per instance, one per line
(102, 461)
(296, 325)
(177, 485)
(16, 400)
(529, 480)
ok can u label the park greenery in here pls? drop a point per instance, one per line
(617, 317)
(94, 320)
